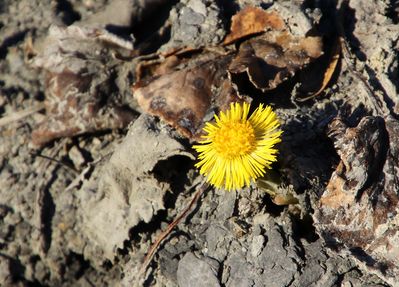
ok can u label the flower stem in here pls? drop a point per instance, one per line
(151, 252)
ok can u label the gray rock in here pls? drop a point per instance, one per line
(257, 245)
(189, 17)
(194, 272)
(195, 23)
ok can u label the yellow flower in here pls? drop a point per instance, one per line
(236, 148)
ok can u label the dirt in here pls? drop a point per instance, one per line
(86, 189)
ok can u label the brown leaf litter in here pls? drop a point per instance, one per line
(186, 95)
(184, 89)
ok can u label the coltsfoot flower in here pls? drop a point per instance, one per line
(236, 148)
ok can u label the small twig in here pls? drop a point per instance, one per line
(17, 116)
(45, 167)
(57, 161)
(151, 252)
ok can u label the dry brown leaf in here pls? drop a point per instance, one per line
(273, 57)
(253, 20)
(186, 97)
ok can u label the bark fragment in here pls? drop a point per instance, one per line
(359, 208)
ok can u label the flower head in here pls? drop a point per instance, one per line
(236, 148)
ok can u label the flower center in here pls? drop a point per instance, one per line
(234, 139)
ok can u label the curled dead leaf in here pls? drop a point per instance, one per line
(327, 71)
(273, 57)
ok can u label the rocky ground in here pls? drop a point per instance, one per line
(90, 177)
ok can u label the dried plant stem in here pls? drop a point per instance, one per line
(67, 166)
(17, 116)
(151, 252)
